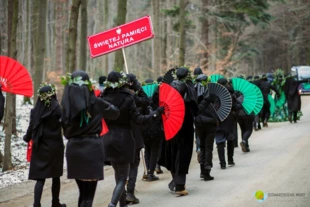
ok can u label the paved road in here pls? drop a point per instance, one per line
(278, 165)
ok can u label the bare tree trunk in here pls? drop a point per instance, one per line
(106, 21)
(204, 35)
(121, 19)
(39, 46)
(182, 34)
(83, 40)
(12, 27)
(71, 50)
(156, 41)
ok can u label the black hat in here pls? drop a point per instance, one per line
(197, 71)
(182, 73)
(114, 77)
(45, 89)
(149, 80)
(80, 73)
(102, 79)
(222, 81)
(159, 79)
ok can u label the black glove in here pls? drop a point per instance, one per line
(159, 111)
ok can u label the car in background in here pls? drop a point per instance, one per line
(302, 73)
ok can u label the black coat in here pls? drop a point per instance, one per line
(265, 87)
(85, 151)
(177, 153)
(142, 102)
(47, 157)
(291, 93)
(119, 143)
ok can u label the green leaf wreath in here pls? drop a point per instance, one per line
(121, 82)
(46, 96)
(67, 80)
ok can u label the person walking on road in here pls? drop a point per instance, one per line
(293, 97)
(119, 142)
(48, 148)
(82, 123)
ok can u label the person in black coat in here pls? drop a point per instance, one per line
(2, 101)
(257, 118)
(153, 135)
(265, 86)
(200, 89)
(82, 123)
(178, 151)
(142, 102)
(225, 131)
(293, 97)
(245, 122)
(206, 122)
(119, 142)
(48, 148)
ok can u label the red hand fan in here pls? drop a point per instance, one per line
(174, 112)
(14, 77)
(29, 151)
(104, 129)
(97, 92)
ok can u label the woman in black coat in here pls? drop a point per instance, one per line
(178, 151)
(82, 122)
(292, 96)
(119, 143)
(48, 147)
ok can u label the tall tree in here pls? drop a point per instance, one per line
(182, 33)
(71, 50)
(12, 28)
(120, 19)
(39, 42)
(106, 21)
(83, 36)
(156, 41)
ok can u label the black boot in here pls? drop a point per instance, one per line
(158, 169)
(57, 204)
(207, 176)
(243, 146)
(231, 161)
(221, 154)
(88, 203)
(36, 205)
(201, 170)
(171, 185)
(151, 177)
(131, 198)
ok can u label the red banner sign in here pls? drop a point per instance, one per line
(121, 36)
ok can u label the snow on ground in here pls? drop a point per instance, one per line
(19, 147)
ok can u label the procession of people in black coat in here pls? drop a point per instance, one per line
(134, 122)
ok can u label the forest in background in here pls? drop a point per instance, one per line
(230, 37)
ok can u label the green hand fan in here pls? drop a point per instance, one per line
(224, 97)
(150, 89)
(272, 104)
(280, 101)
(249, 93)
(215, 77)
(259, 101)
